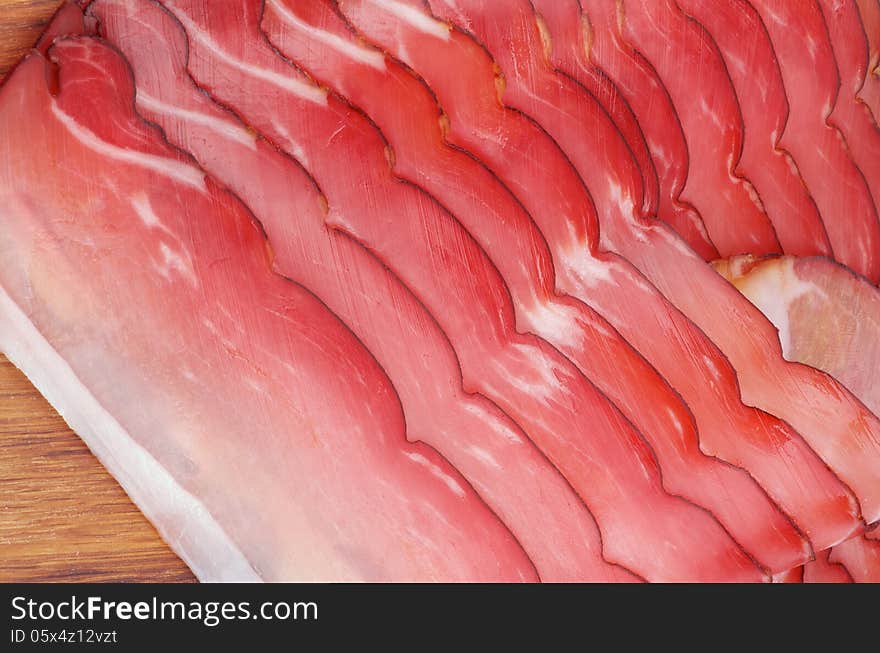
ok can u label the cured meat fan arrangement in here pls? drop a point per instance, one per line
(461, 290)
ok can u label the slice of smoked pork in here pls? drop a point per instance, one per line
(687, 61)
(246, 421)
(869, 11)
(812, 84)
(563, 18)
(795, 575)
(512, 476)
(822, 570)
(604, 458)
(745, 46)
(834, 423)
(462, 75)
(827, 316)
(315, 37)
(568, 36)
(853, 117)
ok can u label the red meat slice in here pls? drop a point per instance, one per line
(855, 120)
(247, 422)
(514, 478)
(812, 84)
(687, 61)
(745, 46)
(598, 451)
(315, 37)
(570, 39)
(680, 352)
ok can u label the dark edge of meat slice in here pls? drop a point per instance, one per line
(356, 109)
(316, 185)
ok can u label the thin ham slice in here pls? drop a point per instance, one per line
(812, 83)
(857, 124)
(603, 457)
(869, 12)
(748, 55)
(513, 477)
(694, 367)
(314, 36)
(692, 71)
(567, 36)
(245, 420)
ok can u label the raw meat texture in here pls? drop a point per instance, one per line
(316, 38)
(869, 11)
(687, 61)
(812, 83)
(265, 441)
(822, 570)
(850, 47)
(795, 575)
(805, 490)
(513, 477)
(827, 317)
(561, 20)
(748, 55)
(607, 54)
(860, 556)
(604, 458)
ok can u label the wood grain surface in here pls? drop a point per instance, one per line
(62, 516)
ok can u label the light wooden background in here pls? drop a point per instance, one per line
(62, 516)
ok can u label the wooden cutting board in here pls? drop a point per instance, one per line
(62, 516)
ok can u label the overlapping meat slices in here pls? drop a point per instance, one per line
(314, 36)
(576, 44)
(869, 11)
(812, 83)
(856, 122)
(687, 61)
(598, 451)
(248, 423)
(749, 59)
(512, 476)
(476, 121)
